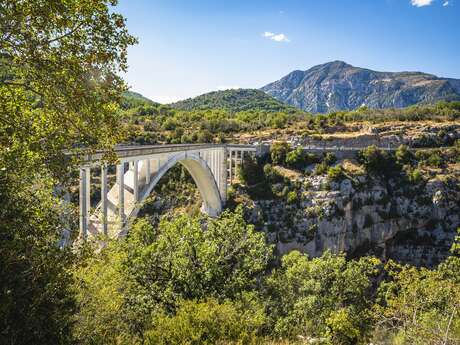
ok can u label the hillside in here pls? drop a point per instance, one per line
(134, 99)
(234, 101)
(339, 86)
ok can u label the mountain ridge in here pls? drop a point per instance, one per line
(234, 100)
(337, 85)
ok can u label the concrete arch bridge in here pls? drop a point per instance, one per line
(139, 169)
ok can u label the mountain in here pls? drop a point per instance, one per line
(234, 101)
(339, 86)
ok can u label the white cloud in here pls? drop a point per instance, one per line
(446, 3)
(421, 3)
(275, 37)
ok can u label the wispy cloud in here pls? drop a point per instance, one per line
(421, 3)
(446, 3)
(275, 37)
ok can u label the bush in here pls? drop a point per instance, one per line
(335, 173)
(278, 152)
(377, 161)
(435, 160)
(403, 155)
(415, 176)
(207, 322)
(329, 158)
(320, 168)
(296, 158)
(292, 197)
(251, 172)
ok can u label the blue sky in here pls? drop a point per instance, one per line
(189, 47)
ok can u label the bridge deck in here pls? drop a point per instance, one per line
(124, 152)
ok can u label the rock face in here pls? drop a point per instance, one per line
(339, 86)
(411, 224)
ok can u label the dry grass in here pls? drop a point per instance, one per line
(352, 167)
(291, 174)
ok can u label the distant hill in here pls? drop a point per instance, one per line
(234, 101)
(339, 86)
(133, 99)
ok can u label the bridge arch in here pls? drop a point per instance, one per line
(202, 176)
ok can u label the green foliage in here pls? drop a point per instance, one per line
(403, 155)
(234, 101)
(377, 161)
(439, 111)
(278, 152)
(329, 158)
(416, 176)
(208, 322)
(321, 168)
(422, 305)
(184, 261)
(297, 158)
(59, 89)
(251, 172)
(291, 197)
(335, 173)
(327, 297)
(99, 285)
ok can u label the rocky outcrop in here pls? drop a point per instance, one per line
(339, 86)
(413, 224)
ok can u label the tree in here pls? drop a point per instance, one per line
(419, 306)
(184, 259)
(278, 152)
(296, 158)
(251, 172)
(377, 161)
(327, 297)
(59, 90)
(403, 155)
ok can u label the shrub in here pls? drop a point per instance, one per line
(377, 161)
(296, 158)
(292, 197)
(435, 160)
(207, 322)
(335, 173)
(415, 176)
(403, 155)
(320, 168)
(278, 152)
(251, 172)
(329, 158)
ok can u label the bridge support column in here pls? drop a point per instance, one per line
(104, 191)
(223, 174)
(136, 180)
(148, 172)
(85, 179)
(230, 164)
(121, 192)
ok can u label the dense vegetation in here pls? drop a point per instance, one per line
(216, 117)
(203, 281)
(235, 101)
